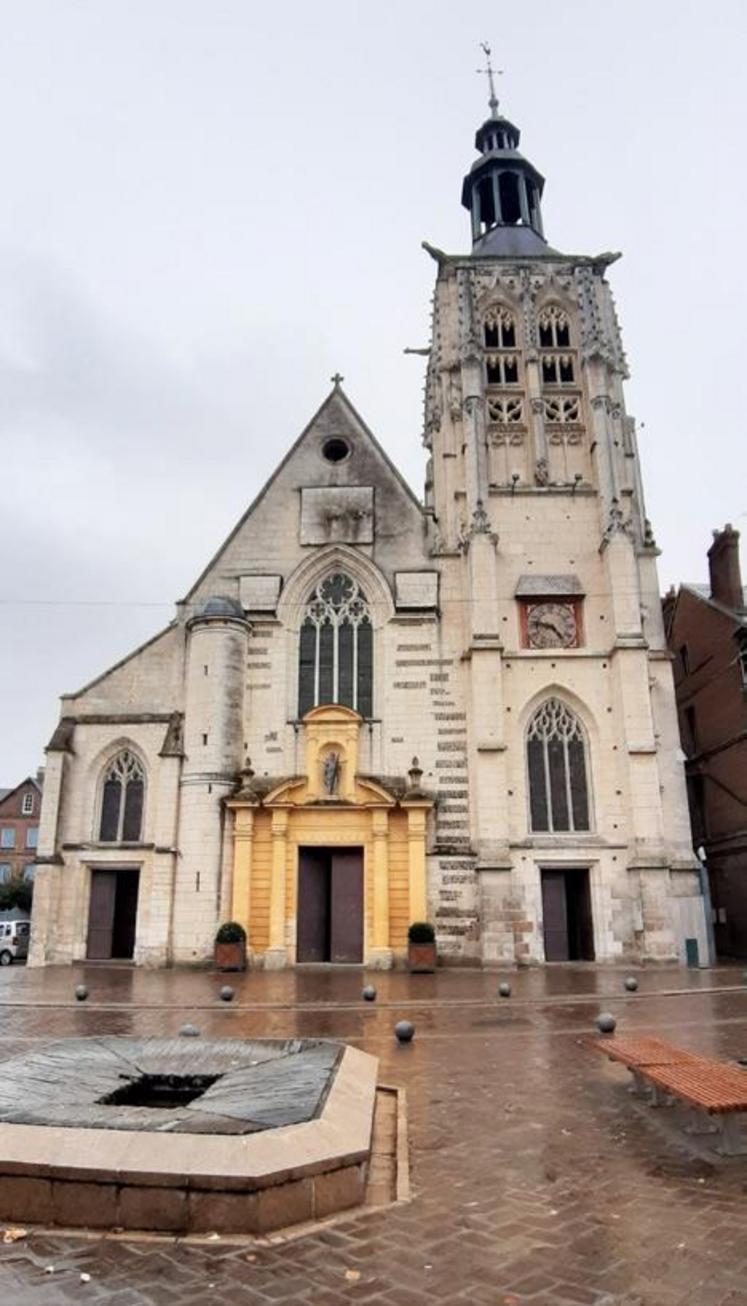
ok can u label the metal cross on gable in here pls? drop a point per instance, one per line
(337, 379)
(490, 72)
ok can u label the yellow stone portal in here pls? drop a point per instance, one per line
(331, 805)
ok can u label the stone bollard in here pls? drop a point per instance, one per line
(606, 1023)
(404, 1031)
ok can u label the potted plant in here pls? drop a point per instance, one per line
(422, 957)
(230, 946)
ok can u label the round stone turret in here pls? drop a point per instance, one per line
(219, 605)
(217, 641)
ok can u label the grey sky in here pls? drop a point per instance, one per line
(209, 206)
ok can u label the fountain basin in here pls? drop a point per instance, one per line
(198, 1136)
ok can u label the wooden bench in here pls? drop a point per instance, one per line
(667, 1072)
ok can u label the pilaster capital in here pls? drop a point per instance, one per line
(279, 825)
(380, 823)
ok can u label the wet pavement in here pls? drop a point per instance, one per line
(536, 1177)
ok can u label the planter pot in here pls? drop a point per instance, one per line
(230, 956)
(422, 958)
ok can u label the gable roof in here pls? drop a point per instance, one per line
(10, 793)
(703, 593)
(336, 396)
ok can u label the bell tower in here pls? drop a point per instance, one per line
(536, 497)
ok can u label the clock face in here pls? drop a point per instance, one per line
(552, 625)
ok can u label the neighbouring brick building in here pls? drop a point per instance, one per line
(707, 633)
(20, 809)
(459, 708)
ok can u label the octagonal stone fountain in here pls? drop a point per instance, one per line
(184, 1136)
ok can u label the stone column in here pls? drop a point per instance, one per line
(242, 867)
(380, 954)
(416, 818)
(277, 954)
(47, 881)
(537, 407)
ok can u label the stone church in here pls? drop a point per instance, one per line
(370, 709)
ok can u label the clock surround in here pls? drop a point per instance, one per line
(550, 623)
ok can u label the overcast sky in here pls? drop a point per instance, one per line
(210, 206)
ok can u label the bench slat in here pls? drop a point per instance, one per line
(644, 1050)
(709, 1085)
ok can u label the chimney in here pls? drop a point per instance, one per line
(723, 565)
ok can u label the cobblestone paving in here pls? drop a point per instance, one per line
(536, 1177)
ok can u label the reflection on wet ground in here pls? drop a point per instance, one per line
(536, 1177)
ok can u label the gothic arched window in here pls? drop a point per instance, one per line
(555, 334)
(499, 337)
(122, 796)
(556, 763)
(500, 329)
(335, 652)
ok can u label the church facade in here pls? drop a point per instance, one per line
(371, 710)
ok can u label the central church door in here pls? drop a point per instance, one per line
(330, 905)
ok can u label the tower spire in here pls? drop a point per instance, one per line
(502, 189)
(490, 72)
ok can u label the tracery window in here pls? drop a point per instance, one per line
(122, 797)
(554, 329)
(505, 411)
(500, 329)
(335, 652)
(556, 763)
(501, 357)
(563, 410)
(555, 335)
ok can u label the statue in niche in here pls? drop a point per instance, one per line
(541, 472)
(331, 773)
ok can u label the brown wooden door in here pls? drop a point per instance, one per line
(125, 914)
(312, 928)
(101, 915)
(555, 915)
(346, 935)
(582, 934)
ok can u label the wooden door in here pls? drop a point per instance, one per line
(346, 942)
(125, 914)
(555, 915)
(101, 915)
(586, 931)
(313, 923)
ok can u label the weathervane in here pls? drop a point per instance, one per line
(491, 72)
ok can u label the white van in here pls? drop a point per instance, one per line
(14, 941)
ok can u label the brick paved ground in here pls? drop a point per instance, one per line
(536, 1177)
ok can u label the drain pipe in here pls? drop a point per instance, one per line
(705, 889)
